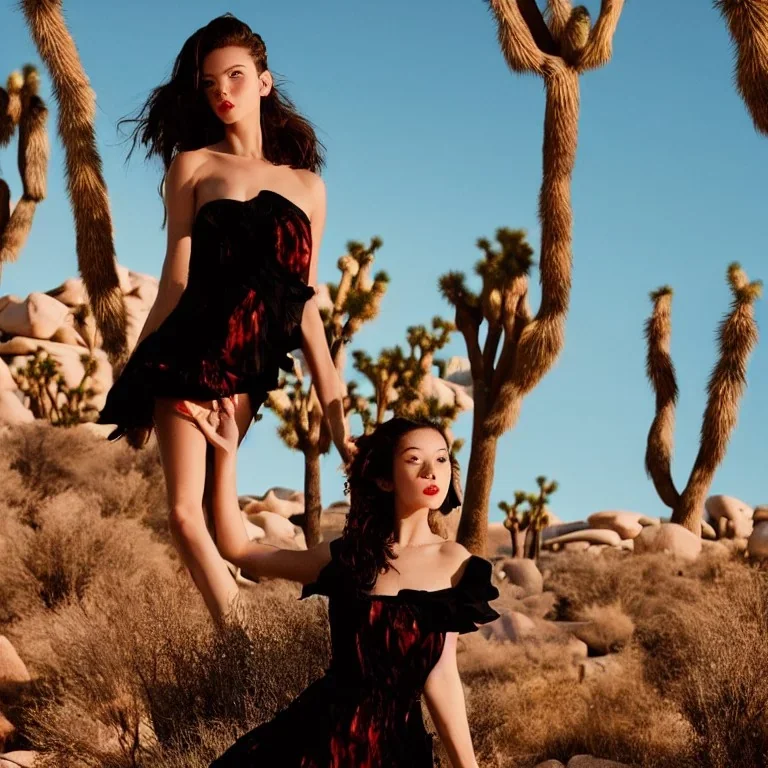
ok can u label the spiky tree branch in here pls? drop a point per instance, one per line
(737, 337)
(748, 25)
(27, 110)
(558, 48)
(661, 373)
(85, 181)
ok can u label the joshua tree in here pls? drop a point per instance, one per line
(355, 300)
(49, 396)
(21, 106)
(85, 181)
(737, 336)
(403, 383)
(748, 23)
(558, 50)
(534, 518)
(514, 522)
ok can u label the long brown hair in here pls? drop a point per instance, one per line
(177, 117)
(366, 545)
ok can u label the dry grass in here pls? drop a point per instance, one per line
(129, 672)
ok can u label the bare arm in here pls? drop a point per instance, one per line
(445, 700)
(231, 537)
(180, 205)
(325, 377)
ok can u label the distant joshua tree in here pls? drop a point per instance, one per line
(21, 107)
(534, 518)
(748, 24)
(519, 349)
(403, 382)
(355, 300)
(49, 396)
(85, 181)
(737, 336)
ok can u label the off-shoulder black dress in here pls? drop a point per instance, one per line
(365, 712)
(238, 317)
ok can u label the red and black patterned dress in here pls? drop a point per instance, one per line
(365, 712)
(238, 317)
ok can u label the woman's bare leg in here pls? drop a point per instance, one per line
(243, 417)
(183, 452)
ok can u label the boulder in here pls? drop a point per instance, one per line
(20, 759)
(524, 574)
(550, 764)
(589, 535)
(13, 671)
(71, 292)
(13, 411)
(576, 546)
(7, 732)
(599, 665)
(553, 531)
(757, 544)
(512, 626)
(136, 315)
(7, 383)
(761, 514)
(39, 316)
(280, 501)
(278, 530)
(587, 761)
(731, 517)
(669, 538)
(707, 531)
(626, 524)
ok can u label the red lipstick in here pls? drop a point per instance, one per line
(225, 106)
(431, 490)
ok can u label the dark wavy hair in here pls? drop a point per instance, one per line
(178, 118)
(365, 550)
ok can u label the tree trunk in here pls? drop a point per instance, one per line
(473, 528)
(313, 506)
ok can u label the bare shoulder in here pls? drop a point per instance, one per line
(315, 190)
(185, 169)
(455, 556)
(186, 164)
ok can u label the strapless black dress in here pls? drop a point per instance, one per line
(365, 712)
(237, 319)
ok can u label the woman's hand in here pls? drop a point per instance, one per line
(218, 425)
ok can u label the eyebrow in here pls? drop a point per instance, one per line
(234, 66)
(416, 448)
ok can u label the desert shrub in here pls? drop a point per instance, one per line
(526, 711)
(71, 548)
(706, 657)
(610, 629)
(46, 461)
(151, 682)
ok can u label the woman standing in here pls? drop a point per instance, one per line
(245, 215)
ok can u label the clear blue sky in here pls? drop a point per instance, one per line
(433, 143)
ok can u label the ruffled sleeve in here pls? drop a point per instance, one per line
(462, 607)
